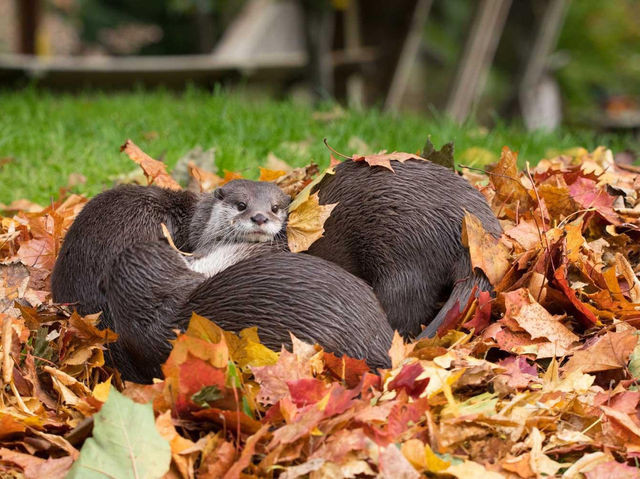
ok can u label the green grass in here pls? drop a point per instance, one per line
(45, 136)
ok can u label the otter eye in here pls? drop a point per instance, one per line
(275, 208)
(241, 206)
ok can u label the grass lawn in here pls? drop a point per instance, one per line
(45, 137)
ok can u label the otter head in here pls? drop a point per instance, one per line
(242, 211)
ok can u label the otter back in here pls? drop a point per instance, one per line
(401, 232)
(108, 224)
(151, 292)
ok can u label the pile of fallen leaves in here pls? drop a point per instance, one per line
(538, 381)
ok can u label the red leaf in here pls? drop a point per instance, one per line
(348, 369)
(482, 316)
(450, 319)
(307, 391)
(406, 380)
(584, 314)
(586, 193)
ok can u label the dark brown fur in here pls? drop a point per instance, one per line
(108, 224)
(129, 214)
(401, 232)
(151, 292)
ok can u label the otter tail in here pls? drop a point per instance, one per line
(459, 296)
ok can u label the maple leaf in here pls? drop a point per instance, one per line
(537, 321)
(274, 379)
(306, 223)
(154, 170)
(348, 369)
(505, 179)
(585, 192)
(406, 380)
(385, 159)
(487, 253)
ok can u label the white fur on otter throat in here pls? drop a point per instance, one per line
(222, 257)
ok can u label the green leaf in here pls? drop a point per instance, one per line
(443, 157)
(125, 443)
(207, 395)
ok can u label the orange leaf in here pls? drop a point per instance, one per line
(505, 179)
(270, 175)
(230, 176)
(154, 170)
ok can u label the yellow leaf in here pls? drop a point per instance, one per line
(306, 223)
(101, 390)
(433, 462)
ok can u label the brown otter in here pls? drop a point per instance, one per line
(150, 292)
(401, 232)
(240, 211)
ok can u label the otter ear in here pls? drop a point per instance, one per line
(218, 194)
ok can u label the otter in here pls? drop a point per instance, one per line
(401, 232)
(151, 292)
(238, 213)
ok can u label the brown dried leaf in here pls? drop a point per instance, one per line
(487, 253)
(205, 180)
(154, 170)
(611, 351)
(385, 159)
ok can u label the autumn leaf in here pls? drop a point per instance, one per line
(487, 253)
(230, 176)
(505, 179)
(206, 180)
(443, 157)
(537, 321)
(306, 223)
(154, 170)
(270, 175)
(384, 159)
(610, 351)
(114, 452)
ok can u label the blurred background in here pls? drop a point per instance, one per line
(569, 69)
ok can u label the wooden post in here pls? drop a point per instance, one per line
(353, 43)
(479, 50)
(28, 19)
(410, 51)
(532, 80)
(318, 28)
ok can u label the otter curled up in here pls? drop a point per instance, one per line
(231, 219)
(151, 291)
(401, 232)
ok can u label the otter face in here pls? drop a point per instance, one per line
(248, 211)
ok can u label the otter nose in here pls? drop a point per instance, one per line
(259, 219)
